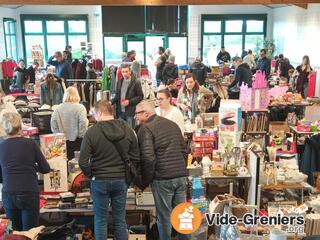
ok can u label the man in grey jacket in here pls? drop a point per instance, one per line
(163, 163)
(101, 161)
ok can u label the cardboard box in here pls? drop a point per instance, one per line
(230, 116)
(53, 145)
(144, 199)
(56, 180)
(137, 237)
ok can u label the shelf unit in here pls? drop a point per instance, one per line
(256, 125)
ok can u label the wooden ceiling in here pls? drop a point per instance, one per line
(154, 2)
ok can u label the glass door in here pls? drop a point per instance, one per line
(152, 45)
(136, 42)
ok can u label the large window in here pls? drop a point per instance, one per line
(235, 32)
(45, 34)
(146, 46)
(9, 26)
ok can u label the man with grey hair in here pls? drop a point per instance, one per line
(170, 70)
(163, 160)
(63, 66)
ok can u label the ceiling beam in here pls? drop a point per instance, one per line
(300, 3)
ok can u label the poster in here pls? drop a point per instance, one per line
(56, 180)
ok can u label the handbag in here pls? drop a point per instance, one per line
(42, 120)
(131, 173)
(62, 232)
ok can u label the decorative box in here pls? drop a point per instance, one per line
(254, 99)
(53, 145)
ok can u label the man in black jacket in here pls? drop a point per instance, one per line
(243, 75)
(170, 70)
(128, 95)
(163, 160)
(102, 163)
(199, 69)
(223, 56)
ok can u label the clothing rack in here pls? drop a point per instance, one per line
(87, 89)
(84, 80)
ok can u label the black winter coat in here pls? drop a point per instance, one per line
(310, 161)
(134, 95)
(170, 71)
(243, 76)
(99, 156)
(163, 151)
(199, 69)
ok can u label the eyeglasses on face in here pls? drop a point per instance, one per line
(136, 113)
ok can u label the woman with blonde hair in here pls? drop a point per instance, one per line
(20, 160)
(70, 118)
(5, 106)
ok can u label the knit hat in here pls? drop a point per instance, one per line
(171, 59)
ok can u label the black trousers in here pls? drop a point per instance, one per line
(73, 146)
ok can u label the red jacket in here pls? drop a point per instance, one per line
(8, 68)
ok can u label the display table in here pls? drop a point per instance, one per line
(283, 186)
(243, 183)
(89, 211)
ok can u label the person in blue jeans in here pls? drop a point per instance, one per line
(101, 161)
(20, 160)
(128, 95)
(163, 164)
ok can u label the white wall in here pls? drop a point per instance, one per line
(297, 33)
(4, 13)
(195, 20)
(94, 18)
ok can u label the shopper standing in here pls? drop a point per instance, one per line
(163, 161)
(20, 76)
(264, 63)
(160, 63)
(243, 75)
(250, 60)
(68, 51)
(70, 118)
(128, 95)
(63, 66)
(20, 159)
(223, 56)
(283, 66)
(31, 72)
(303, 76)
(188, 98)
(5, 106)
(199, 69)
(101, 161)
(168, 111)
(51, 91)
(170, 70)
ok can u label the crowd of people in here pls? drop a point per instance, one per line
(129, 128)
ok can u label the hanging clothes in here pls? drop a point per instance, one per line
(8, 67)
(105, 83)
(1, 71)
(97, 64)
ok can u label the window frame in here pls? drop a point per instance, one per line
(45, 33)
(223, 18)
(142, 37)
(14, 34)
